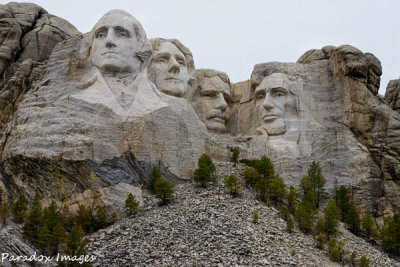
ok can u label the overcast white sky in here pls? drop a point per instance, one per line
(233, 36)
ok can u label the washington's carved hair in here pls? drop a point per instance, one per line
(143, 48)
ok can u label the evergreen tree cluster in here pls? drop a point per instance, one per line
(161, 187)
(54, 229)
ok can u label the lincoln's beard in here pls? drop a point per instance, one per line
(276, 127)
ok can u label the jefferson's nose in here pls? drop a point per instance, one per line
(173, 65)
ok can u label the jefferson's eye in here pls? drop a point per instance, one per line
(123, 34)
(162, 60)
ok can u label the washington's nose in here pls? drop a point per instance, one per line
(221, 102)
(268, 102)
(110, 40)
(173, 65)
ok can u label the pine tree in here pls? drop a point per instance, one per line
(251, 176)
(235, 154)
(34, 219)
(155, 174)
(43, 238)
(318, 182)
(100, 219)
(277, 189)
(205, 171)
(164, 190)
(75, 246)
(331, 216)
(51, 216)
(85, 219)
(19, 208)
(303, 216)
(343, 201)
(292, 199)
(289, 225)
(368, 226)
(261, 188)
(353, 220)
(131, 205)
(232, 184)
(390, 235)
(320, 240)
(57, 237)
(266, 169)
(308, 193)
(4, 213)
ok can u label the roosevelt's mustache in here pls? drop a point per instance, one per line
(219, 114)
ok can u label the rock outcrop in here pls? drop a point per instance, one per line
(392, 95)
(108, 105)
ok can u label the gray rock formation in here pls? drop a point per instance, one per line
(392, 95)
(109, 105)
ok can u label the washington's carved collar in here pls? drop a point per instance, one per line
(124, 97)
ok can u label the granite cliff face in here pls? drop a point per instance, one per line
(99, 110)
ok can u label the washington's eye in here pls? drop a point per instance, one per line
(123, 34)
(100, 35)
(260, 97)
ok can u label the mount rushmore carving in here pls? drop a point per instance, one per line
(105, 107)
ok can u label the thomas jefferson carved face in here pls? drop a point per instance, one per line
(211, 103)
(114, 45)
(274, 104)
(168, 69)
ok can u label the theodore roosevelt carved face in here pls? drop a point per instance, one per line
(275, 103)
(211, 99)
(171, 67)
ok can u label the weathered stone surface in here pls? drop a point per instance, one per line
(109, 105)
(294, 116)
(209, 227)
(392, 95)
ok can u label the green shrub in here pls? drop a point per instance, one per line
(155, 174)
(368, 226)
(353, 220)
(205, 172)
(277, 189)
(251, 176)
(331, 216)
(255, 217)
(131, 205)
(232, 184)
(289, 224)
(235, 154)
(364, 262)
(164, 190)
(19, 208)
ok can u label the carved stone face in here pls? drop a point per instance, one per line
(274, 104)
(114, 45)
(168, 70)
(211, 105)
